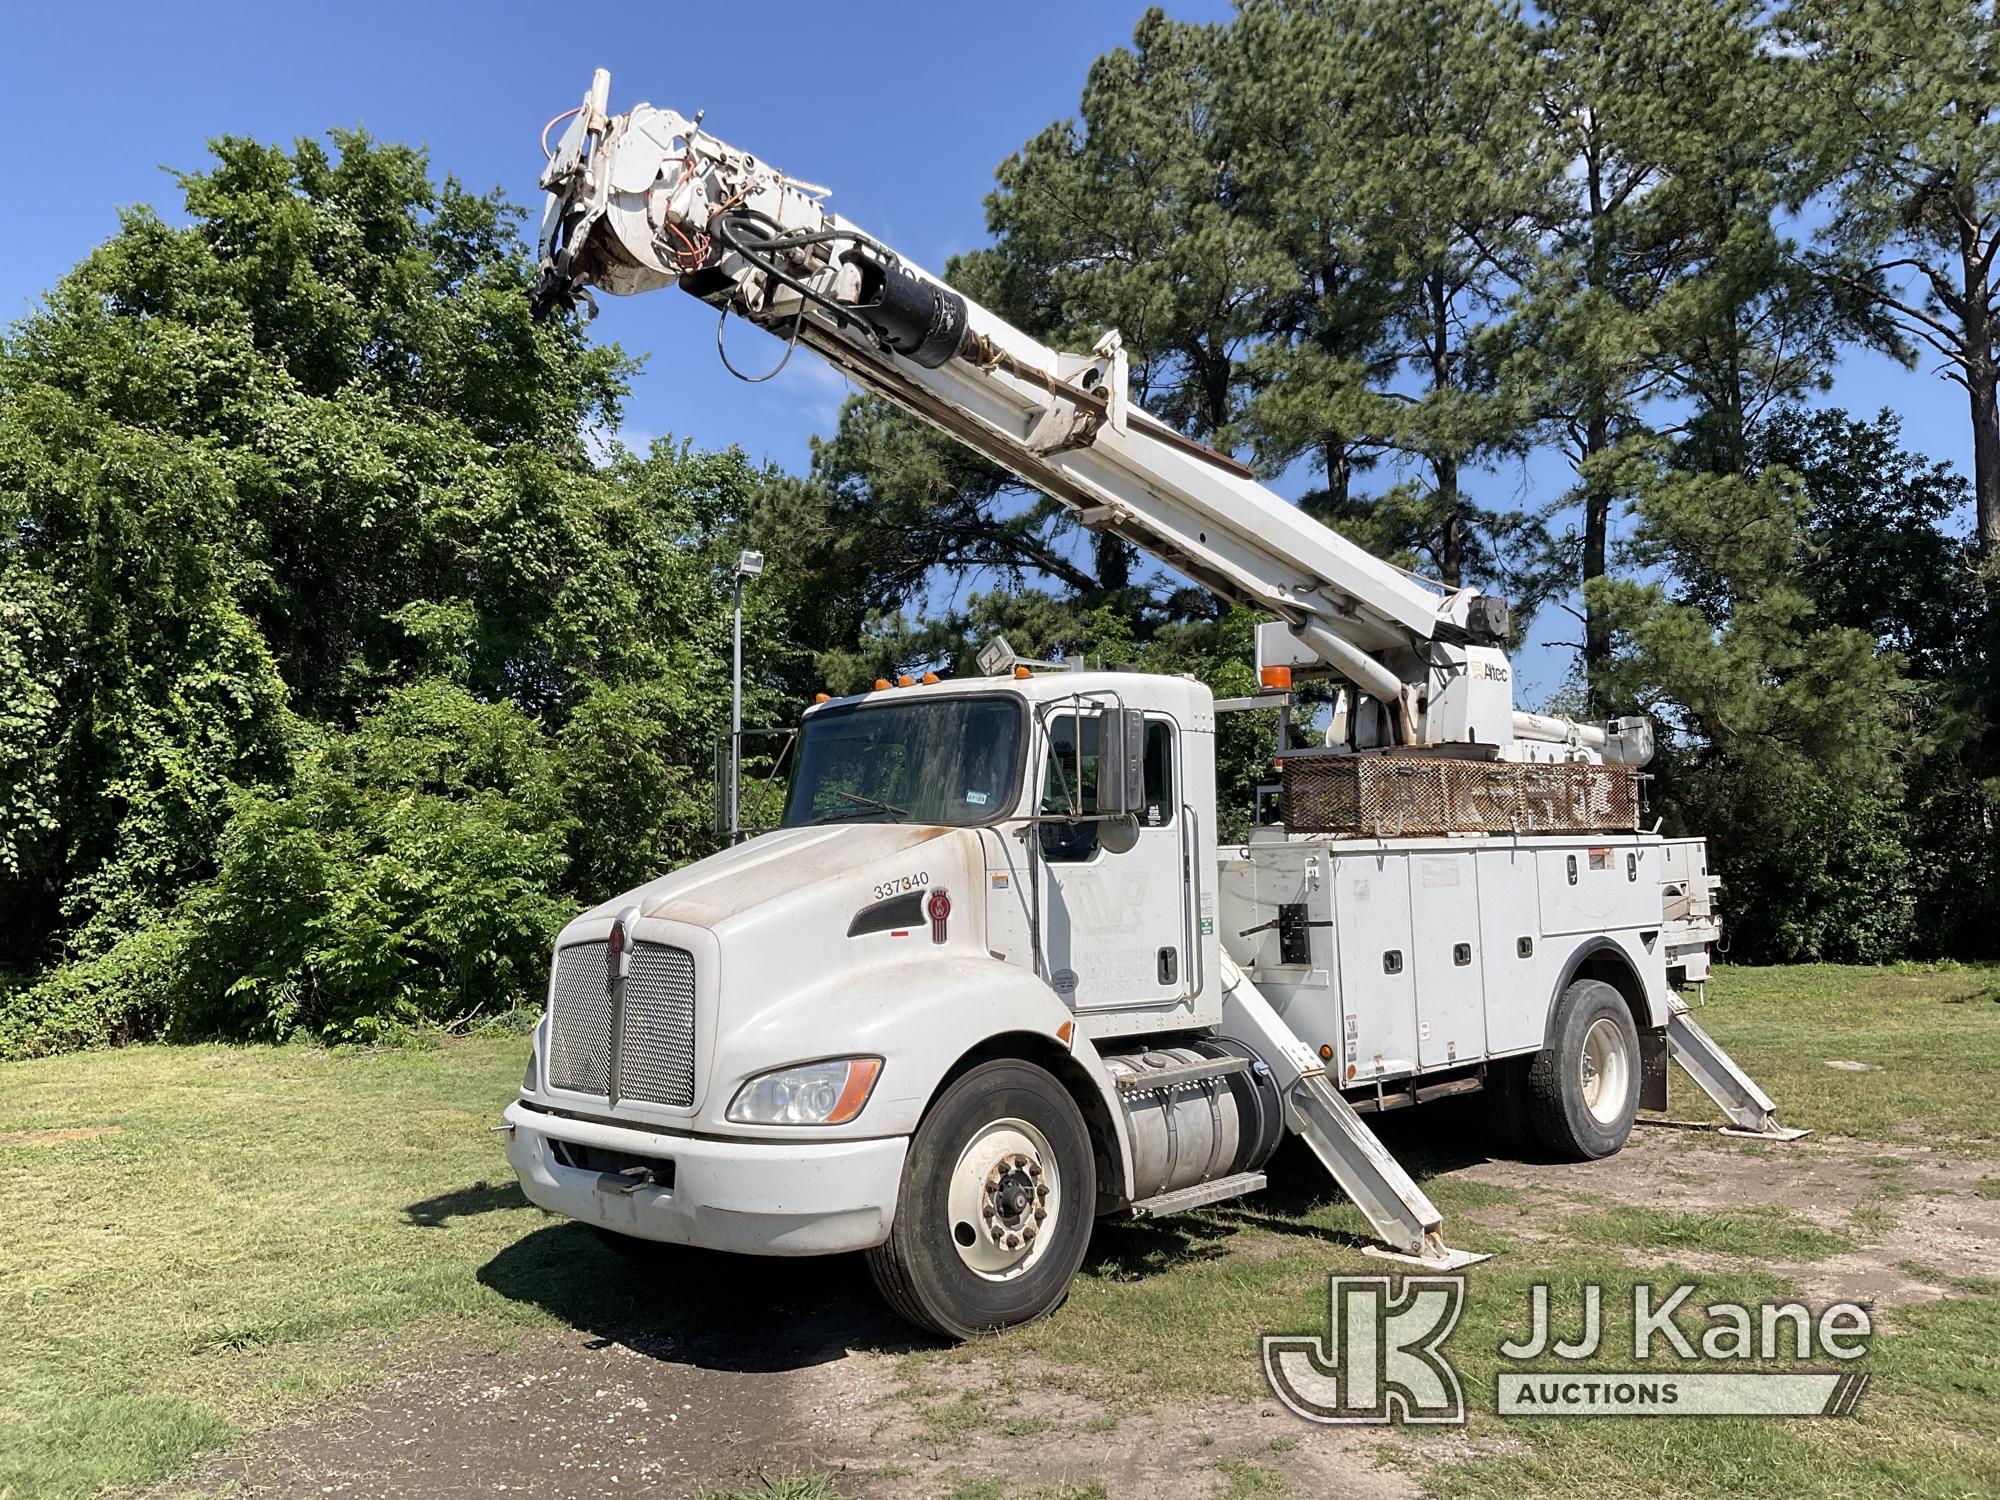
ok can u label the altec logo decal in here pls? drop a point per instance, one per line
(939, 907)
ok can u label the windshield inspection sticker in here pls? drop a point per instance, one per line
(975, 799)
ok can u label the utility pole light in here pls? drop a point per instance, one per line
(748, 565)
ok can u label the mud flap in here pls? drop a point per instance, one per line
(1653, 1059)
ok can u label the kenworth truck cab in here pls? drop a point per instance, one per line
(788, 1010)
(993, 977)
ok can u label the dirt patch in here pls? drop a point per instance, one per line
(55, 1137)
(572, 1416)
(1034, 1426)
(1905, 1206)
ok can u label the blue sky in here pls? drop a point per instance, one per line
(903, 109)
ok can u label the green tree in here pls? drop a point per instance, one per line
(1433, 157)
(1123, 219)
(299, 520)
(411, 874)
(1662, 277)
(1887, 560)
(1910, 161)
(1785, 734)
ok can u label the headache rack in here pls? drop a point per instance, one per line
(1401, 795)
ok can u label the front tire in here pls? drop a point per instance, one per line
(1583, 1087)
(998, 1194)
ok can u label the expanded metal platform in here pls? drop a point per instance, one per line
(1390, 795)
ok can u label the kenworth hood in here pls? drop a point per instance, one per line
(832, 869)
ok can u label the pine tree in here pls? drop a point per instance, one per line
(1909, 94)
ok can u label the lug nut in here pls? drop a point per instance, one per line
(1029, 1233)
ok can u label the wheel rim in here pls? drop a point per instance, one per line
(1606, 1071)
(1005, 1199)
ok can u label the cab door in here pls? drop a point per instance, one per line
(1115, 914)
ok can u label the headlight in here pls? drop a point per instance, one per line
(821, 1093)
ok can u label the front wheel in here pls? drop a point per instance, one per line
(999, 1190)
(1583, 1087)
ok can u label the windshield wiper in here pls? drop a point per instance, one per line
(875, 802)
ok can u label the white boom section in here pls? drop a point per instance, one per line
(648, 199)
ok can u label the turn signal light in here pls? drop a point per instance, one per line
(1326, 1052)
(1276, 679)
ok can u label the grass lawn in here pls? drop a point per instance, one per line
(200, 1240)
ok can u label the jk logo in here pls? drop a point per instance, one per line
(1381, 1360)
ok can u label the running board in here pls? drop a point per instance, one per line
(1199, 1196)
(1749, 1108)
(1314, 1109)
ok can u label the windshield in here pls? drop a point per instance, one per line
(936, 760)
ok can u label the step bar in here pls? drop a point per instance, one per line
(1201, 1195)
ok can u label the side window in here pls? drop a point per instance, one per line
(1069, 783)
(1159, 808)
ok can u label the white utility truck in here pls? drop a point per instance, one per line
(995, 976)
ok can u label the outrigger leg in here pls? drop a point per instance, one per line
(1398, 1209)
(1749, 1108)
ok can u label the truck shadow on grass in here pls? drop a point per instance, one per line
(764, 1314)
(749, 1314)
(463, 1203)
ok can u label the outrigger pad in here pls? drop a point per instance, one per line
(1775, 1133)
(1451, 1260)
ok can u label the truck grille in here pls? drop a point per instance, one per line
(656, 1042)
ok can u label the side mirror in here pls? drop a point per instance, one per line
(1118, 835)
(1121, 762)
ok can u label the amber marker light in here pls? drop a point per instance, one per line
(1276, 679)
(861, 1075)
